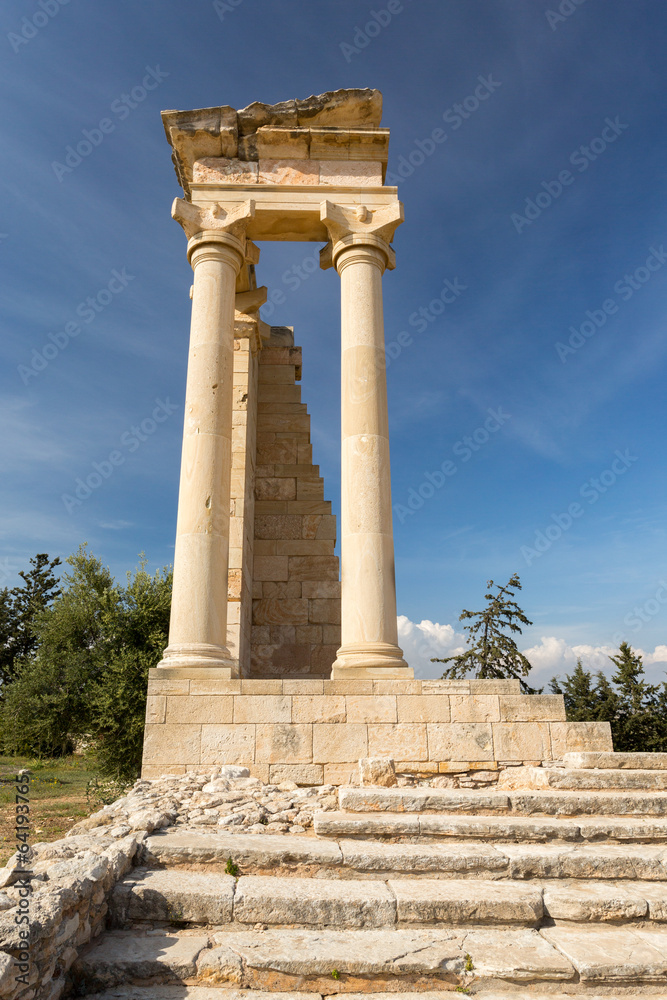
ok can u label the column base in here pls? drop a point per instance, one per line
(372, 661)
(197, 655)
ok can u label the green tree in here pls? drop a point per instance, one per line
(636, 710)
(90, 672)
(48, 705)
(19, 611)
(140, 625)
(493, 653)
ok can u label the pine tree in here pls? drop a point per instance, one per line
(20, 609)
(492, 653)
(637, 723)
(583, 698)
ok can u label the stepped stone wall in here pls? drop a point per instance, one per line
(284, 592)
(315, 731)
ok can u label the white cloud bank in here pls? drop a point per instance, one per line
(552, 656)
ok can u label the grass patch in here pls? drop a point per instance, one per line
(58, 798)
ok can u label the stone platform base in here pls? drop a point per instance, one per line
(315, 731)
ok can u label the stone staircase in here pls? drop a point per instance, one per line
(534, 892)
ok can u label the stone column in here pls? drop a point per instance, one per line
(360, 253)
(198, 625)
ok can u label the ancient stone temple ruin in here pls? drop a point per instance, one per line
(273, 663)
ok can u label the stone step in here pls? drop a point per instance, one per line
(548, 802)
(612, 759)
(325, 961)
(296, 855)
(583, 779)
(180, 896)
(503, 827)
(180, 992)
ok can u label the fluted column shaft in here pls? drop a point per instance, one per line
(198, 625)
(369, 637)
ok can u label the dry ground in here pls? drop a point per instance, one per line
(58, 798)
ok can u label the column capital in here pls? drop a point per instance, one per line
(360, 227)
(224, 225)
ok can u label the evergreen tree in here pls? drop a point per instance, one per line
(492, 653)
(48, 705)
(582, 699)
(636, 710)
(20, 609)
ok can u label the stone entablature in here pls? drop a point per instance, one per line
(315, 731)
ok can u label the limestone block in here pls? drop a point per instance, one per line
(460, 741)
(420, 707)
(200, 686)
(577, 736)
(172, 744)
(398, 687)
(277, 612)
(167, 685)
(474, 708)
(284, 743)
(629, 761)
(228, 744)
(284, 450)
(290, 171)
(451, 901)
(494, 686)
(325, 611)
(304, 547)
(517, 954)
(322, 657)
(340, 774)
(331, 636)
(115, 957)
(219, 170)
(270, 567)
(309, 489)
(532, 708)
(404, 741)
(262, 708)
(371, 708)
(322, 902)
(522, 741)
(324, 589)
(307, 686)
(377, 771)
(309, 634)
(598, 901)
(307, 507)
(156, 708)
(199, 708)
(281, 589)
(318, 708)
(261, 685)
(275, 489)
(277, 526)
(609, 954)
(174, 895)
(336, 744)
(322, 526)
(300, 774)
(351, 173)
(445, 687)
(355, 686)
(276, 375)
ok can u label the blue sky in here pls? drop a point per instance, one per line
(542, 204)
